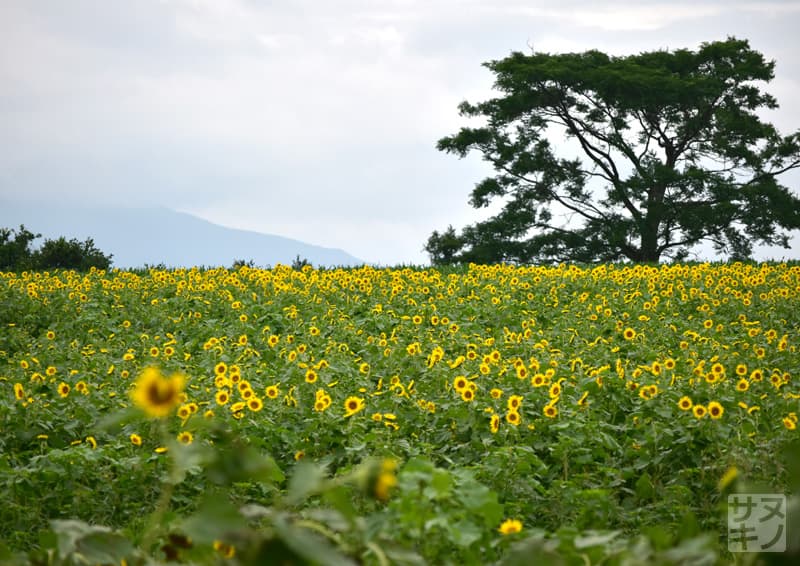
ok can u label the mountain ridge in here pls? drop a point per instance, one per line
(139, 236)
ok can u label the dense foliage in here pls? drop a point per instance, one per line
(664, 150)
(16, 253)
(482, 415)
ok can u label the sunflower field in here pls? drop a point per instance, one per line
(478, 415)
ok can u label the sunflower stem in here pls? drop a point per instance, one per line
(164, 499)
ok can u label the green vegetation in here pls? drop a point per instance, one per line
(476, 415)
(16, 253)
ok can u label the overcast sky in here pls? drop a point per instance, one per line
(315, 120)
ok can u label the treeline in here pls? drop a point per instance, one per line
(17, 252)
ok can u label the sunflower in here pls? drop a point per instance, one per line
(629, 334)
(185, 437)
(715, 410)
(220, 369)
(222, 397)
(272, 392)
(156, 394)
(311, 376)
(225, 550)
(184, 412)
(255, 404)
(742, 385)
(789, 423)
(510, 526)
(460, 383)
(699, 411)
(63, 389)
(136, 440)
(538, 380)
(550, 411)
(514, 402)
(494, 423)
(19, 391)
(386, 479)
(685, 403)
(468, 394)
(513, 418)
(352, 405)
(496, 393)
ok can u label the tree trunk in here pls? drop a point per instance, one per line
(649, 248)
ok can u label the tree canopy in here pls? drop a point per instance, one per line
(16, 253)
(640, 157)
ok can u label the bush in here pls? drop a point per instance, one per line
(70, 254)
(16, 253)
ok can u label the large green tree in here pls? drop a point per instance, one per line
(642, 157)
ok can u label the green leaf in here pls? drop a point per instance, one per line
(465, 533)
(339, 497)
(402, 556)
(216, 517)
(533, 550)
(442, 483)
(69, 532)
(306, 480)
(310, 546)
(594, 539)
(104, 547)
(644, 487)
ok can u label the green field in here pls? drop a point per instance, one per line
(489, 414)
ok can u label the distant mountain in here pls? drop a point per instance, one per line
(152, 236)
